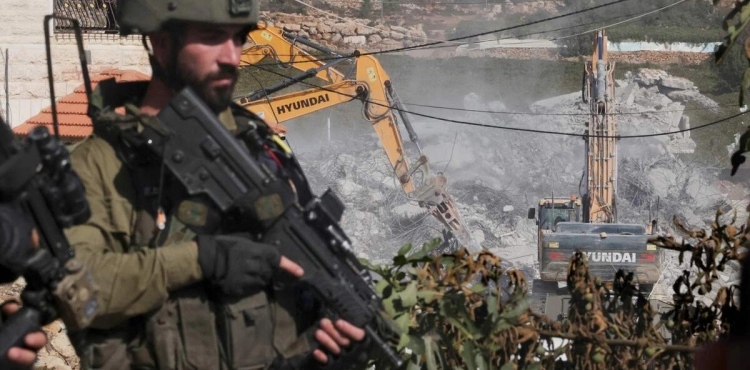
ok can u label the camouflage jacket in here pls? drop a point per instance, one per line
(156, 312)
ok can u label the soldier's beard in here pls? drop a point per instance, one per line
(217, 98)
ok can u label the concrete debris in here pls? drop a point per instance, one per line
(627, 97)
(355, 40)
(408, 210)
(676, 83)
(551, 103)
(347, 188)
(693, 95)
(478, 236)
(649, 77)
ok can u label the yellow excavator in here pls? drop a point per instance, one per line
(591, 224)
(366, 80)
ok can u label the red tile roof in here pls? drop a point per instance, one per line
(71, 109)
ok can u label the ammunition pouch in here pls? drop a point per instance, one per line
(246, 328)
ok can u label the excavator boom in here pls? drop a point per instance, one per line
(282, 47)
(601, 143)
(368, 82)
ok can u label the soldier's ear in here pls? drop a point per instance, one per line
(160, 46)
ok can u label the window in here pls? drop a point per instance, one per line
(95, 16)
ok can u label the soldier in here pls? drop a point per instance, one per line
(170, 298)
(12, 225)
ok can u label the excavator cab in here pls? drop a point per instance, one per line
(553, 211)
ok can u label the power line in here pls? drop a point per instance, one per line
(500, 38)
(351, 21)
(537, 131)
(560, 16)
(625, 21)
(558, 114)
(446, 3)
(536, 114)
(631, 18)
(463, 43)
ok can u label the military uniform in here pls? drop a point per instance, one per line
(156, 312)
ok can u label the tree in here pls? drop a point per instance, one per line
(730, 70)
(366, 9)
(575, 46)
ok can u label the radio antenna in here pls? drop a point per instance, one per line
(81, 57)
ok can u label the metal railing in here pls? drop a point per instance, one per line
(95, 16)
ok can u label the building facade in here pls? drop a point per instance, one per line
(25, 90)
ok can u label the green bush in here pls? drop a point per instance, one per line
(575, 46)
(730, 71)
(365, 11)
(464, 311)
(664, 34)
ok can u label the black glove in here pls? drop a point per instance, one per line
(237, 265)
(15, 241)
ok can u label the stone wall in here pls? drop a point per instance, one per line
(346, 36)
(518, 7)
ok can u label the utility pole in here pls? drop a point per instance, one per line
(382, 9)
(7, 97)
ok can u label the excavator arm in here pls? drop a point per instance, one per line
(281, 46)
(369, 83)
(601, 144)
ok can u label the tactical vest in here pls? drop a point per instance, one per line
(195, 330)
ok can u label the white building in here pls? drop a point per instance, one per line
(22, 45)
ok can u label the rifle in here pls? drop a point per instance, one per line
(36, 176)
(212, 164)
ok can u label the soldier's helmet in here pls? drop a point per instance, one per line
(145, 16)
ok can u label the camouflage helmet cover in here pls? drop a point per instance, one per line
(145, 16)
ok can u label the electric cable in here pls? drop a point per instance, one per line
(519, 129)
(560, 16)
(457, 109)
(623, 22)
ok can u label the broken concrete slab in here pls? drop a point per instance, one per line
(676, 117)
(676, 83)
(347, 187)
(628, 94)
(685, 126)
(693, 95)
(546, 104)
(649, 77)
(409, 210)
(661, 101)
(682, 146)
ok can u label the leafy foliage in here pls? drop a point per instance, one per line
(365, 9)
(740, 14)
(471, 312)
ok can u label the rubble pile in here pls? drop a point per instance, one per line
(496, 175)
